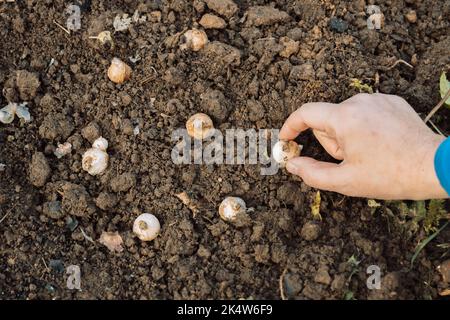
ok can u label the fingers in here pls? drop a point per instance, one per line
(321, 175)
(310, 115)
(329, 144)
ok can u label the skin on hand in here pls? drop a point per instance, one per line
(386, 150)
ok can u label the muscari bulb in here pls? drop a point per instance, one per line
(100, 143)
(119, 71)
(95, 161)
(231, 208)
(194, 39)
(146, 227)
(7, 113)
(283, 151)
(199, 126)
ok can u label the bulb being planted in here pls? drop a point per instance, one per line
(199, 126)
(146, 227)
(95, 159)
(119, 71)
(283, 151)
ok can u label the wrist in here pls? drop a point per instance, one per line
(442, 165)
(432, 187)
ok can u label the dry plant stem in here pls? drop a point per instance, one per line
(436, 128)
(187, 201)
(283, 296)
(4, 217)
(400, 61)
(65, 30)
(438, 106)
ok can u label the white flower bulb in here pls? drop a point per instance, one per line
(146, 227)
(199, 126)
(194, 39)
(95, 161)
(283, 151)
(100, 143)
(231, 207)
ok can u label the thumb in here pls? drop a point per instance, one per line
(321, 175)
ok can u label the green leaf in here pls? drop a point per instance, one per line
(424, 243)
(444, 86)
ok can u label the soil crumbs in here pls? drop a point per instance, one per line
(263, 60)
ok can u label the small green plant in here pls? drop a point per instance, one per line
(444, 86)
(349, 295)
(315, 207)
(354, 264)
(362, 87)
(424, 243)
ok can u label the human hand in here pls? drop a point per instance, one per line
(386, 149)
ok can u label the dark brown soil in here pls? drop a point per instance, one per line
(243, 81)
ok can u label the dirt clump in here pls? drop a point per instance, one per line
(27, 84)
(226, 8)
(39, 170)
(210, 21)
(53, 209)
(310, 231)
(56, 126)
(76, 200)
(106, 201)
(91, 132)
(123, 182)
(265, 15)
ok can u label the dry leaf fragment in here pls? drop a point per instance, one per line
(112, 240)
(187, 201)
(315, 207)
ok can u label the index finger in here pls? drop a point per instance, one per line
(315, 115)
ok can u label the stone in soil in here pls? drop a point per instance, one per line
(338, 25)
(210, 21)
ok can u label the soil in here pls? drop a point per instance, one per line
(260, 65)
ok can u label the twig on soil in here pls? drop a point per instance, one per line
(4, 217)
(45, 264)
(64, 29)
(438, 106)
(400, 61)
(86, 236)
(149, 78)
(281, 284)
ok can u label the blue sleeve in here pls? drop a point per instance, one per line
(442, 164)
